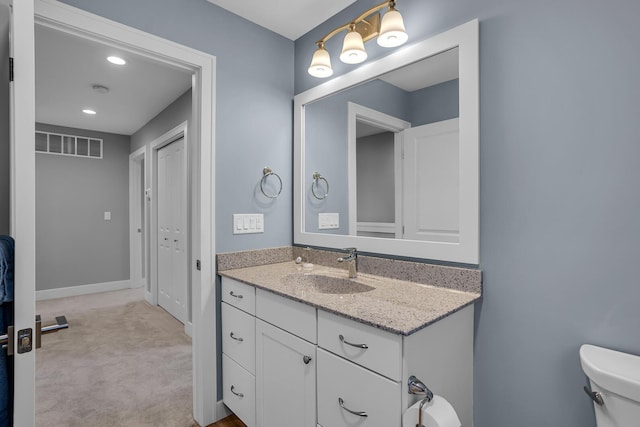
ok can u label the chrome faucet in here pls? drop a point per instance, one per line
(352, 257)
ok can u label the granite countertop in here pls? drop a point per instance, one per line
(393, 305)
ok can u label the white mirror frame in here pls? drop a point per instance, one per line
(465, 37)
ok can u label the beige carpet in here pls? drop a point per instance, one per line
(122, 362)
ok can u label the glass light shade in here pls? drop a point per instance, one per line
(320, 64)
(353, 49)
(392, 32)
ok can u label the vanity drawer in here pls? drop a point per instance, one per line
(360, 390)
(384, 349)
(239, 295)
(239, 336)
(292, 316)
(239, 390)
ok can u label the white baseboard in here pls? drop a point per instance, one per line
(222, 411)
(82, 290)
(188, 329)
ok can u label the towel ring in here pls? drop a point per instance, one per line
(316, 178)
(266, 173)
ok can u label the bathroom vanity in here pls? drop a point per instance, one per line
(314, 348)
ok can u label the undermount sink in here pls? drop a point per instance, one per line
(325, 284)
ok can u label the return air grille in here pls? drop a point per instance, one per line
(68, 145)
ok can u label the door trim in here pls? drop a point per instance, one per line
(137, 186)
(357, 112)
(71, 20)
(180, 131)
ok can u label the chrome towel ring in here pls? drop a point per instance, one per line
(316, 184)
(266, 173)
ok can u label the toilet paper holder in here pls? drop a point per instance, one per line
(419, 388)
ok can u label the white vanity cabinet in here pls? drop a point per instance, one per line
(268, 357)
(317, 369)
(238, 349)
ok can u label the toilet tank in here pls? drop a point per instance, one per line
(616, 376)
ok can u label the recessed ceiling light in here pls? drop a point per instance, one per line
(87, 111)
(116, 60)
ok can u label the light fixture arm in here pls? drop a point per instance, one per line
(362, 18)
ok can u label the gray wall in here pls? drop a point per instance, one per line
(74, 244)
(559, 227)
(434, 103)
(177, 112)
(4, 120)
(375, 171)
(253, 105)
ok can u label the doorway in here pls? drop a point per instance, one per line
(73, 21)
(138, 214)
(81, 204)
(365, 122)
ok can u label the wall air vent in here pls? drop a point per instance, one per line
(68, 145)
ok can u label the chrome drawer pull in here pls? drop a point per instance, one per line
(237, 339)
(237, 394)
(235, 296)
(352, 345)
(358, 413)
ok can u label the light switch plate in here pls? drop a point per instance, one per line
(328, 221)
(248, 223)
(107, 216)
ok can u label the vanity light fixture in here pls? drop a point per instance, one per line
(89, 112)
(390, 32)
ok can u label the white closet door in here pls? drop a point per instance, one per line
(432, 182)
(172, 205)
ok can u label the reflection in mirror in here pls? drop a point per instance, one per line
(398, 141)
(391, 146)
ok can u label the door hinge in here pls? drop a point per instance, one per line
(10, 69)
(198, 265)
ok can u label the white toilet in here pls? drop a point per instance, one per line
(615, 383)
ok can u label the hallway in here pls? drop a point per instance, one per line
(122, 362)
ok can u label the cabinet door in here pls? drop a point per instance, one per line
(285, 379)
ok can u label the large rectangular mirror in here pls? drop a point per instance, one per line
(386, 156)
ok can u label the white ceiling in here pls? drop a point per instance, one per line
(66, 68)
(289, 18)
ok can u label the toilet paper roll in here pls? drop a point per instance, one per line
(437, 413)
